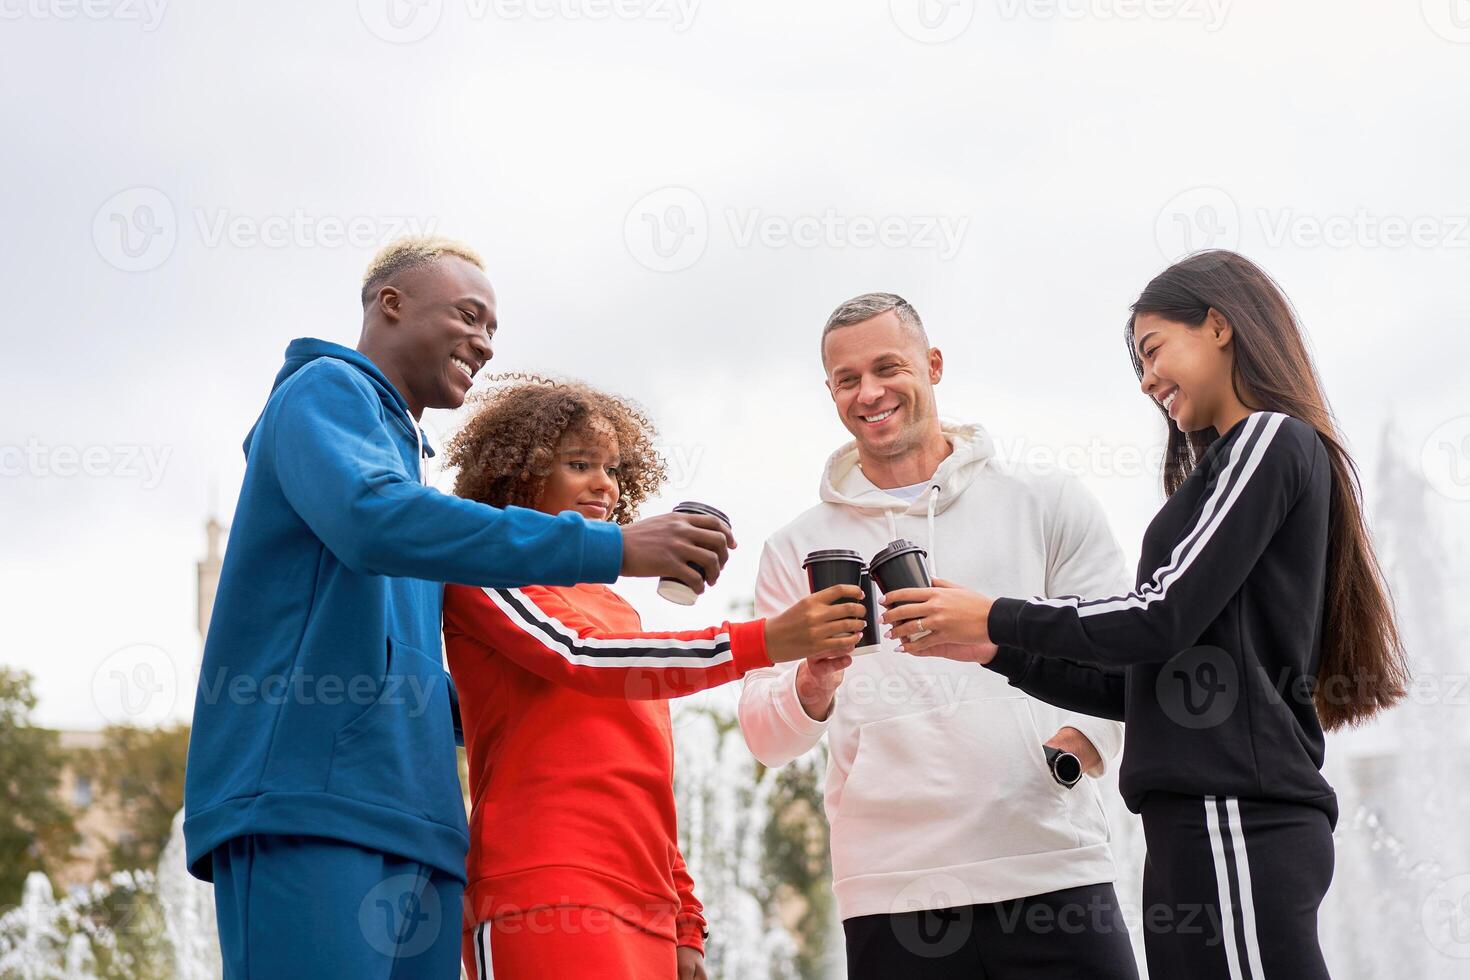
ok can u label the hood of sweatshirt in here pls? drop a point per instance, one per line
(844, 483)
(303, 350)
(937, 789)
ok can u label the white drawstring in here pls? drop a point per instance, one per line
(933, 542)
(418, 438)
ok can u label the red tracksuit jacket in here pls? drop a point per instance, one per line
(564, 702)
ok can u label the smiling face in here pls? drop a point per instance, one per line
(882, 379)
(443, 318)
(1186, 369)
(584, 474)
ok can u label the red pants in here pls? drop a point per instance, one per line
(571, 941)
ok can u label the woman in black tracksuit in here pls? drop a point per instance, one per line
(1259, 619)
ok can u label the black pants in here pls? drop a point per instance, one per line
(1231, 888)
(1073, 933)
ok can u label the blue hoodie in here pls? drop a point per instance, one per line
(323, 705)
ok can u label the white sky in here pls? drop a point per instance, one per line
(1066, 149)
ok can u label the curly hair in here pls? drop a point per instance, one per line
(508, 445)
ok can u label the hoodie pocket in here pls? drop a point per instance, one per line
(955, 785)
(399, 752)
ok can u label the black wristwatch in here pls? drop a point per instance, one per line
(1065, 767)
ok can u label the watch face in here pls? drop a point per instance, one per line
(1067, 768)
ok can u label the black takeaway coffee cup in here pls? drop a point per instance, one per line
(671, 588)
(900, 565)
(869, 643)
(839, 566)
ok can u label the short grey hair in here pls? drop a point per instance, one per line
(869, 305)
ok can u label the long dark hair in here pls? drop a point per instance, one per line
(1363, 668)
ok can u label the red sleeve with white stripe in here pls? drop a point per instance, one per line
(1257, 480)
(543, 632)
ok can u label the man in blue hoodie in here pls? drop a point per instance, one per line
(322, 795)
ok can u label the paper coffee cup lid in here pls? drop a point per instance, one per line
(695, 507)
(899, 546)
(831, 554)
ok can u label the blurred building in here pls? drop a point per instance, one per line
(99, 823)
(207, 572)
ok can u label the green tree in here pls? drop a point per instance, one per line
(796, 864)
(36, 830)
(140, 771)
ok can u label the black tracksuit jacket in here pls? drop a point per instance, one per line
(1212, 658)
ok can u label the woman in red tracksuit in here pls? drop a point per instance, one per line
(574, 868)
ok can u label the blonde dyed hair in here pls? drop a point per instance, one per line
(410, 252)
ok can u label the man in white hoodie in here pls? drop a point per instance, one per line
(955, 853)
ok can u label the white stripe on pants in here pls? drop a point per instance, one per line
(484, 969)
(1225, 859)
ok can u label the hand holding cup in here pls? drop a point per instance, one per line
(827, 567)
(944, 620)
(828, 623)
(687, 548)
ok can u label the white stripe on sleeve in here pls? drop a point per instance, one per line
(1226, 492)
(598, 652)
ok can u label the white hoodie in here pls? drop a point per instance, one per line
(937, 789)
